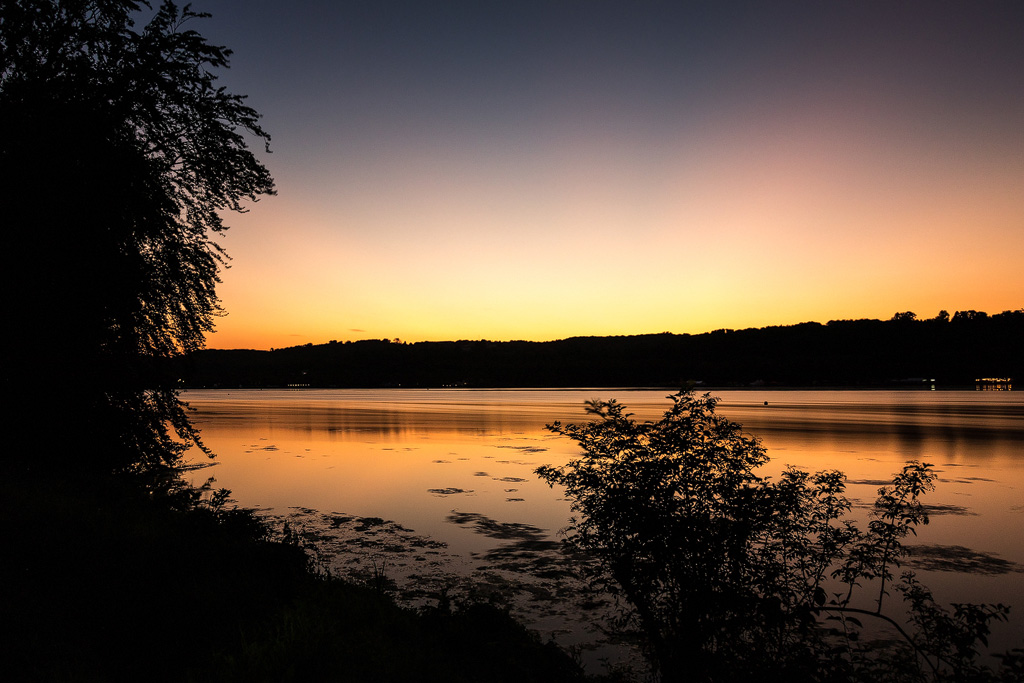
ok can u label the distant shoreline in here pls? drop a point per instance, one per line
(901, 353)
(700, 388)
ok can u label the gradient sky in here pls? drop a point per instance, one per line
(540, 170)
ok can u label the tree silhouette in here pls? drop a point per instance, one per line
(119, 152)
(729, 575)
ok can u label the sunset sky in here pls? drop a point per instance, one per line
(540, 170)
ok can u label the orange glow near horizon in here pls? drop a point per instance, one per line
(754, 173)
(739, 234)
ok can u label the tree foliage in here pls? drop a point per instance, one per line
(119, 154)
(729, 575)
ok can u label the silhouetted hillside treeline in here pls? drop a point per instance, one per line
(953, 350)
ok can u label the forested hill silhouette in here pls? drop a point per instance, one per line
(903, 351)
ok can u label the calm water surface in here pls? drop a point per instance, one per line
(453, 466)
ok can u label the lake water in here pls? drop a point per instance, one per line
(439, 484)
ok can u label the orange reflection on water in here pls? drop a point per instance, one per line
(415, 456)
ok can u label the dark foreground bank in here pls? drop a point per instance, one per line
(105, 583)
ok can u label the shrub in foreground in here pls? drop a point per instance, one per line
(728, 574)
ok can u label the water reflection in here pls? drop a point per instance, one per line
(911, 415)
(424, 458)
(974, 437)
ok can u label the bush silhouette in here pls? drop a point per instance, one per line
(729, 575)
